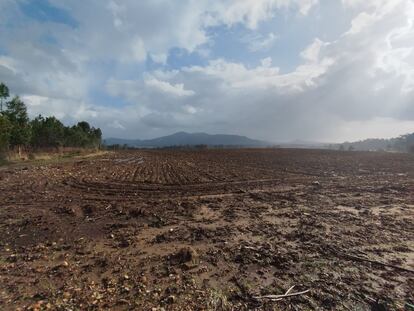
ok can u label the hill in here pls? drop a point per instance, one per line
(404, 143)
(191, 139)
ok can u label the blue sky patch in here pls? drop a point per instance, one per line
(43, 11)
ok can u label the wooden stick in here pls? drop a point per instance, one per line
(287, 292)
(279, 297)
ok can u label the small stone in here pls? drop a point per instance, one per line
(171, 299)
(187, 256)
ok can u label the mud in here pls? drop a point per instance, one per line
(209, 230)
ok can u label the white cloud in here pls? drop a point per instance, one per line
(252, 12)
(167, 88)
(366, 4)
(139, 53)
(157, 26)
(374, 128)
(311, 53)
(58, 107)
(362, 21)
(8, 63)
(159, 58)
(236, 75)
(260, 43)
(266, 62)
(190, 109)
(116, 125)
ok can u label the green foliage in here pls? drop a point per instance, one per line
(16, 113)
(4, 93)
(5, 133)
(47, 132)
(16, 130)
(83, 135)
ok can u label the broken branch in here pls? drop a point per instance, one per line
(280, 297)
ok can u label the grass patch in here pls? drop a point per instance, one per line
(217, 301)
(44, 158)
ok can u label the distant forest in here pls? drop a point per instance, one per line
(404, 143)
(18, 132)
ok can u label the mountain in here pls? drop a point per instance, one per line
(403, 143)
(183, 138)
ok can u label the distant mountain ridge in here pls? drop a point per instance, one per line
(403, 143)
(191, 139)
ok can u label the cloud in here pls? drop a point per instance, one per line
(251, 13)
(374, 128)
(259, 42)
(167, 88)
(116, 125)
(138, 52)
(311, 53)
(60, 108)
(356, 85)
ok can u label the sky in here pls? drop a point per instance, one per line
(279, 70)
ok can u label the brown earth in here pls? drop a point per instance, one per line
(209, 230)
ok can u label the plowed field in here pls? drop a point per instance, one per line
(209, 230)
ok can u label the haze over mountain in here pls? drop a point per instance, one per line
(403, 143)
(183, 138)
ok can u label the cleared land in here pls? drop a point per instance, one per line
(209, 230)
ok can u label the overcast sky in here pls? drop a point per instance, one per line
(280, 70)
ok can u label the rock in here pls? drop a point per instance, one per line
(171, 299)
(88, 209)
(66, 295)
(186, 256)
(135, 212)
(124, 242)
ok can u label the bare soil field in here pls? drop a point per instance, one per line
(209, 230)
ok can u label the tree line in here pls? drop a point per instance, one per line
(17, 131)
